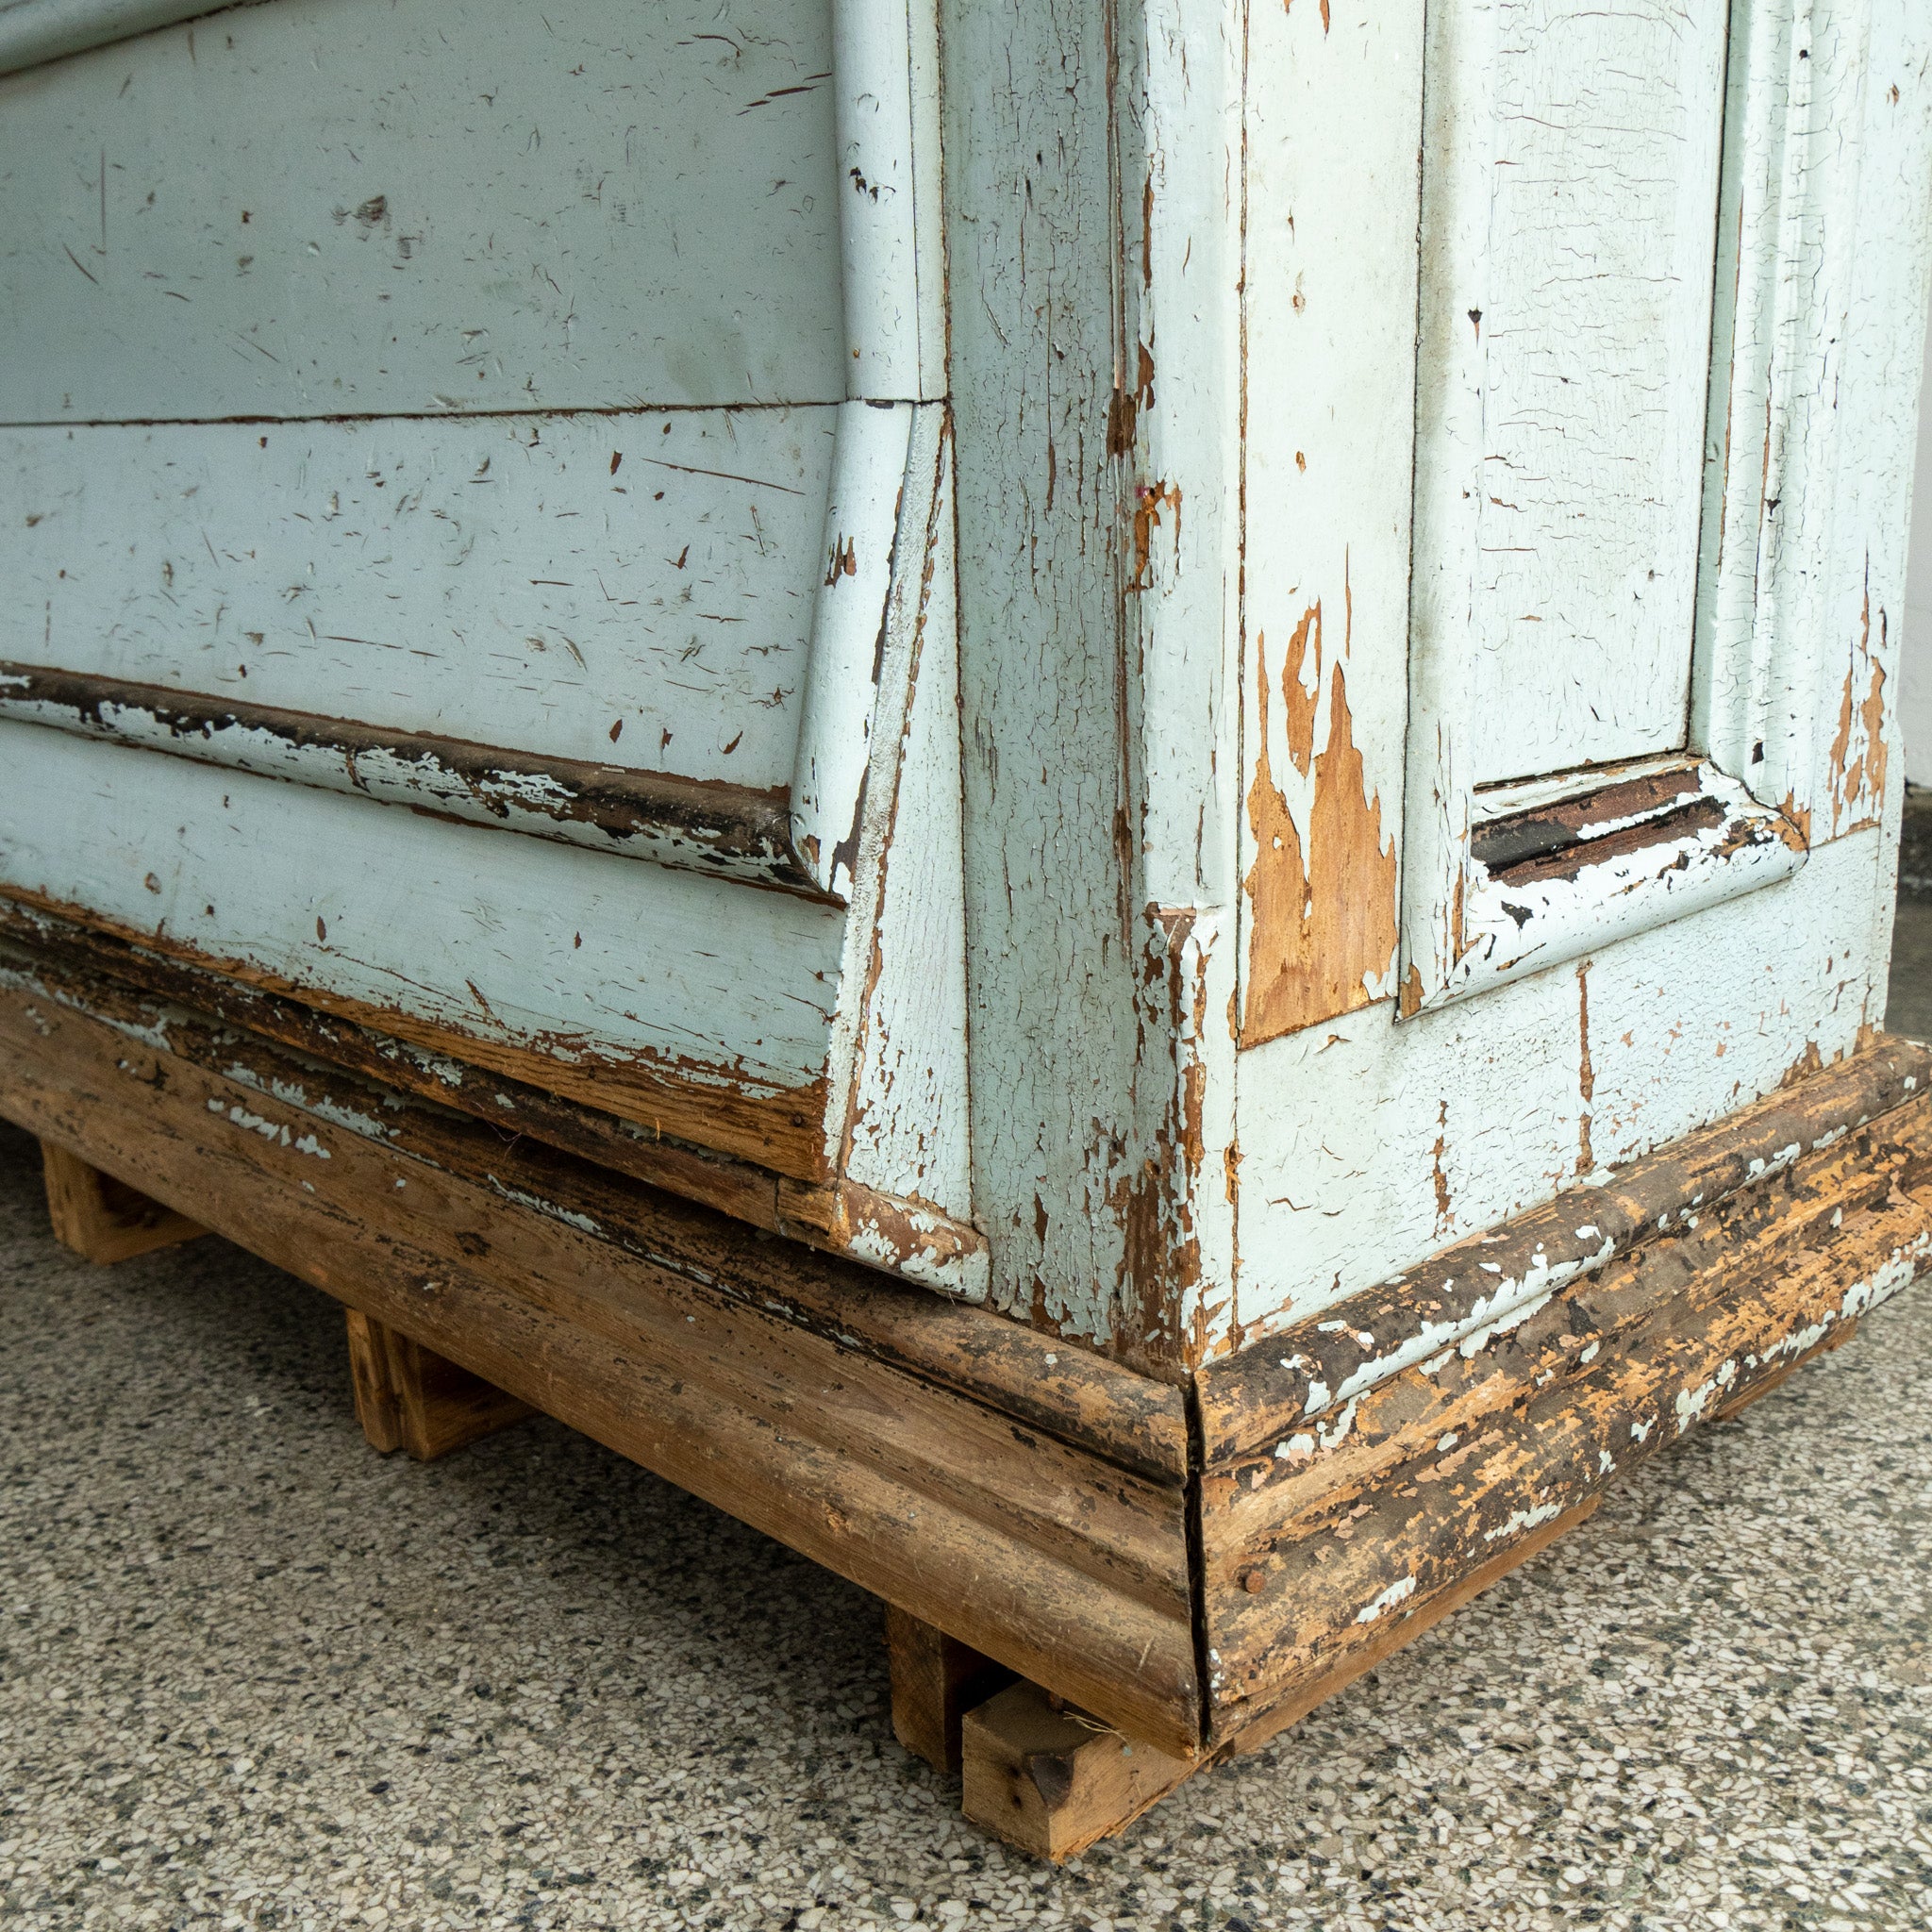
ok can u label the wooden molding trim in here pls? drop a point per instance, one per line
(701, 825)
(1558, 868)
(32, 31)
(1338, 1501)
(1083, 1399)
(196, 1014)
(1034, 1502)
(780, 1129)
(1069, 1569)
(1275, 1384)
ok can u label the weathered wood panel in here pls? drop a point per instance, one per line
(1570, 193)
(1366, 1504)
(329, 207)
(662, 995)
(906, 1134)
(633, 590)
(1264, 1393)
(562, 1167)
(1032, 248)
(1067, 1569)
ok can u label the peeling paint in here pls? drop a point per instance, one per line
(1321, 934)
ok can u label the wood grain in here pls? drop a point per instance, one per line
(1068, 1569)
(409, 1397)
(1048, 1778)
(1070, 1393)
(1379, 1498)
(935, 1680)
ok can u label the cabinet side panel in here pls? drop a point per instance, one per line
(1389, 1142)
(415, 206)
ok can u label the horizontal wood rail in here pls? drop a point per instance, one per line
(700, 824)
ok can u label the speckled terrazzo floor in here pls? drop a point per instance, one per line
(252, 1675)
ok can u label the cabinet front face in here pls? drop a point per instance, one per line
(1568, 611)
(471, 443)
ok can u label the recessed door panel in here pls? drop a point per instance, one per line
(1569, 193)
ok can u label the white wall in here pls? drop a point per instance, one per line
(1915, 688)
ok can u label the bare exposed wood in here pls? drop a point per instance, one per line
(1049, 1778)
(1571, 819)
(409, 1397)
(935, 1680)
(780, 1128)
(1066, 1391)
(126, 982)
(1383, 1497)
(1266, 1390)
(1068, 1569)
(706, 824)
(103, 1219)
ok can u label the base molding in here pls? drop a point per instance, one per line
(1341, 1485)
(1363, 1466)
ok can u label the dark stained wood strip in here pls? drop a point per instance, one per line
(1071, 1393)
(1274, 1386)
(1066, 1569)
(702, 826)
(1543, 829)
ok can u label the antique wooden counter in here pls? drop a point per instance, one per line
(1093, 800)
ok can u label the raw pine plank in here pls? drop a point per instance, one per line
(1051, 1779)
(935, 1680)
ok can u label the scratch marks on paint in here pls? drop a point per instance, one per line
(1321, 929)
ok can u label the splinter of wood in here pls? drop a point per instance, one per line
(409, 1397)
(936, 1681)
(102, 1219)
(1052, 1780)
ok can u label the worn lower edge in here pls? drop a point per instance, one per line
(1356, 1522)
(1073, 1394)
(1064, 1566)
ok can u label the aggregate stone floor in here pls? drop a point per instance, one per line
(252, 1675)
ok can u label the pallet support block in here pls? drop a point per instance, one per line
(102, 1219)
(409, 1397)
(1047, 1777)
(936, 1681)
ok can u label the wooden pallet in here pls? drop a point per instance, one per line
(1100, 1582)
